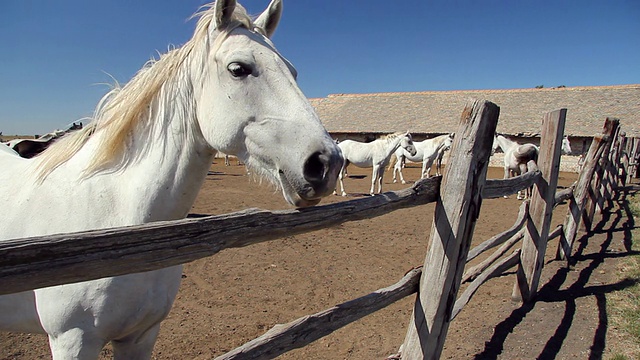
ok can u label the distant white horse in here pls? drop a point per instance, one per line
(374, 154)
(144, 158)
(427, 151)
(566, 146)
(516, 158)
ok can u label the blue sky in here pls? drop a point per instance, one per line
(57, 56)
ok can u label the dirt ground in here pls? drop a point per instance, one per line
(237, 295)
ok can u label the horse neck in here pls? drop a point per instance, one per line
(167, 160)
(392, 143)
(506, 144)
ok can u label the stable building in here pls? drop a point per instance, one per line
(426, 114)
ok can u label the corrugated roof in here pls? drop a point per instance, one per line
(521, 110)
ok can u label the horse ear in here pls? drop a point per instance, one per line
(223, 12)
(269, 19)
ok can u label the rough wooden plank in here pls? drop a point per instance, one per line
(58, 259)
(496, 188)
(476, 270)
(534, 244)
(577, 203)
(451, 233)
(503, 236)
(305, 330)
(563, 195)
(497, 269)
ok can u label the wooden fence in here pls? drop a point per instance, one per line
(612, 159)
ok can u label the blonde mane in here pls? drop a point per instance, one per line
(125, 109)
(393, 136)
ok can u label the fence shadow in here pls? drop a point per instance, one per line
(618, 220)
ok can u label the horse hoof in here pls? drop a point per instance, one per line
(404, 182)
(505, 196)
(344, 193)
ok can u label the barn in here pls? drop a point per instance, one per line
(426, 114)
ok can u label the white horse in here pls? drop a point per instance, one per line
(375, 154)
(566, 146)
(427, 151)
(516, 158)
(144, 157)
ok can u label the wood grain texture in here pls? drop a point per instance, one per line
(58, 259)
(451, 233)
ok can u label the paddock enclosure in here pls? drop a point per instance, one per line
(240, 293)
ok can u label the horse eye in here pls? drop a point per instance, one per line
(239, 70)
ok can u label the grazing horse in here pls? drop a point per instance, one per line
(427, 151)
(516, 158)
(375, 154)
(144, 157)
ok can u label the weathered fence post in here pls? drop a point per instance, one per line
(578, 200)
(534, 244)
(595, 193)
(454, 220)
(623, 159)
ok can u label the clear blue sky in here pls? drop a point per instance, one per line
(56, 55)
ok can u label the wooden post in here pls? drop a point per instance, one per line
(607, 179)
(453, 223)
(623, 159)
(596, 183)
(534, 244)
(633, 159)
(578, 200)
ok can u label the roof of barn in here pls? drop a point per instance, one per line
(521, 110)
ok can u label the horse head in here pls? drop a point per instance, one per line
(448, 141)
(566, 146)
(496, 144)
(406, 142)
(248, 104)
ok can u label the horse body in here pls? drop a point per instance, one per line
(375, 154)
(145, 157)
(427, 151)
(518, 159)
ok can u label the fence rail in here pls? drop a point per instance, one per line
(612, 159)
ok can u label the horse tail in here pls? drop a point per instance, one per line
(392, 161)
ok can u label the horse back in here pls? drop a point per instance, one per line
(525, 153)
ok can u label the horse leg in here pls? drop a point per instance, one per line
(523, 194)
(423, 172)
(75, 344)
(340, 176)
(506, 176)
(137, 346)
(374, 179)
(380, 177)
(398, 167)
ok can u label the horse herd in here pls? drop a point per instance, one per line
(398, 148)
(145, 155)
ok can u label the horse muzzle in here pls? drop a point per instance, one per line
(319, 176)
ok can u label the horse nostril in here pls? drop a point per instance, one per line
(315, 168)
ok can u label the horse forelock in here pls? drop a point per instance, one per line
(125, 109)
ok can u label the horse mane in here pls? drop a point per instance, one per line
(392, 136)
(125, 109)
